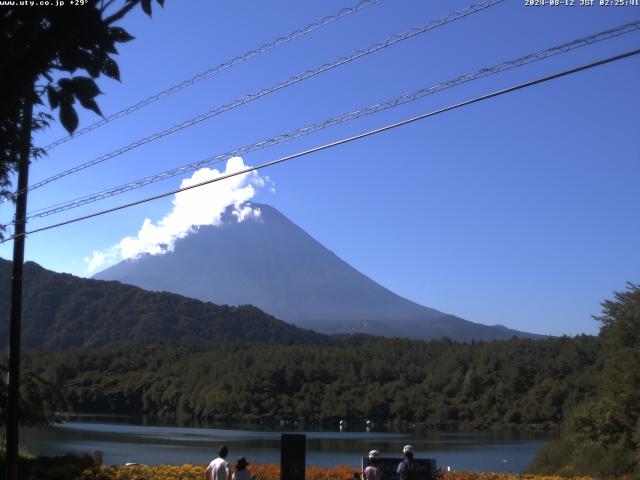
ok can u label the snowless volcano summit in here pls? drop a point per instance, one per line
(273, 264)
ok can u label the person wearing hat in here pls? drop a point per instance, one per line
(241, 472)
(219, 469)
(374, 470)
(407, 468)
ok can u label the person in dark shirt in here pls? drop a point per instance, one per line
(407, 468)
(242, 473)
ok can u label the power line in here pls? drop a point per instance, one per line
(412, 32)
(217, 69)
(344, 140)
(390, 103)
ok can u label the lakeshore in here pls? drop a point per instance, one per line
(505, 452)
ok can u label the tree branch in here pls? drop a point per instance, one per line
(104, 6)
(121, 13)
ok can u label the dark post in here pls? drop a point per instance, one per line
(293, 449)
(13, 406)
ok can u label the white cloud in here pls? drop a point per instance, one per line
(268, 180)
(246, 211)
(191, 209)
(99, 259)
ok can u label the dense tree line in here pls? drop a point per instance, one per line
(41, 402)
(517, 383)
(601, 437)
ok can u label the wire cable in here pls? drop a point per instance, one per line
(390, 103)
(343, 141)
(217, 69)
(412, 32)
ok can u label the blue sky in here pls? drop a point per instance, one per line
(522, 210)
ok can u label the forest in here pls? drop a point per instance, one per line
(106, 347)
(523, 384)
(63, 311)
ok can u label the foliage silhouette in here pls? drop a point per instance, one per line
(40, 44)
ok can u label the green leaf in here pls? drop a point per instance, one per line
(161, 3)
(110, 48)
(83, 58)
(146, 6)
(110, 68)
(66, 92)
(93, 68)
(68, 117)
(68, 58)
(54, 96)
(84, 88)
(65, 84)
(120, 35)
(90, 104)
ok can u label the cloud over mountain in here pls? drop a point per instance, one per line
(190, 210)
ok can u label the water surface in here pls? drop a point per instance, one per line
(156, 444)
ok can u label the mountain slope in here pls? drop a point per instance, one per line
(62, 311)
(272, 263)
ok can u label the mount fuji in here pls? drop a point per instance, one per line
(273, 264)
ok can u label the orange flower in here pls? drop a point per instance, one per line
(272, 472)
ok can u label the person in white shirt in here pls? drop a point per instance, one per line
(219, 469)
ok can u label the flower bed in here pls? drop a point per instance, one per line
(272, 472)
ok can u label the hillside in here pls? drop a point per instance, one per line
(62, 311)
(272, 263)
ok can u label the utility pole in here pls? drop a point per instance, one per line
(13, 403)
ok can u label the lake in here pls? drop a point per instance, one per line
(157, 444)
